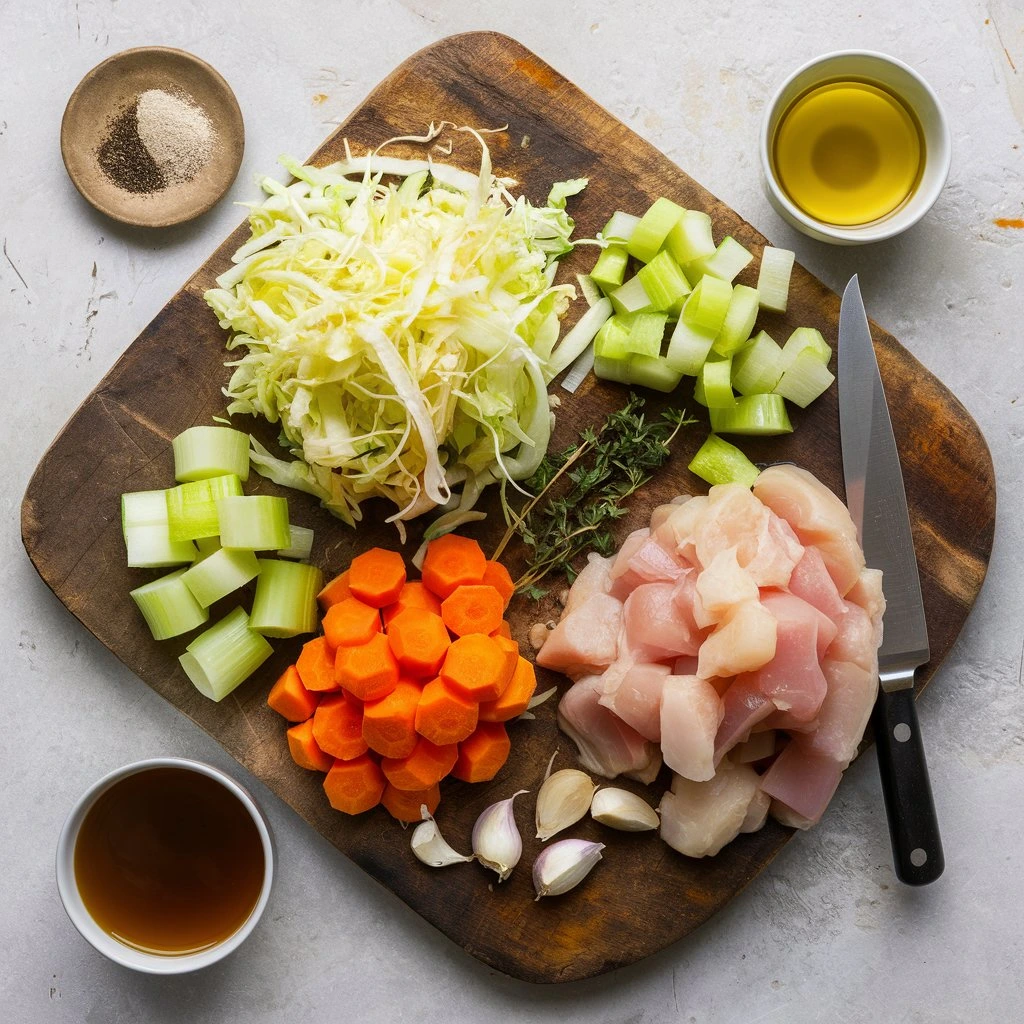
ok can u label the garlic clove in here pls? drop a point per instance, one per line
(429, 846)
(618, 808)
(563, 799)
(497, 843)
(563, 865)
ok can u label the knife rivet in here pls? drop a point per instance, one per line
(918, 857)
(901, 732)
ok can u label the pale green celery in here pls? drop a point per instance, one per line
(757, 367)
(611, 369)
(649, 235)
(652, 372)
(754, 415)
(690, 238)
(192, 507)
(285, 601)
(716, 383)
(664, 283)
(805, 338)
(724, 263)
(219, 574)
(168, 606)
(591, 293)
(773, 278)
(578, 371)
(620, 227)
(708, 304)
(633, 334)
(300, 546)
(225, 655)
(580, 336)
(610, 269)
(698, 391)
(805, 379)
(256, 522)
(688, 347)
(203, 452)
(146, 534)
(739, 320)
(632, 297)
(205, 547)
(719, 462)
(612, 341)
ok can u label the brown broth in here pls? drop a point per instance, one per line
(168, 861)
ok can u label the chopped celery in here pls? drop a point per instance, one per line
(610, 269)
(589, 289)
(708, 304)
(804, 379)
(612, 341)
(719, 462)
(754, 415)
(620, 227)
(773, 278)
(146, 534)
(168, 606)
(757, 367)
(202, 452)
(739, 320)
(633, 334)
(225, 655)
(716, 384)
(805, 338)
(301, 544)
(724, 263)
(688, 347)
(632, 297)
(649, 235)
(578, 371)
(690, 238)
(652, 372)
(219, 574)
(581, 335)
(257, 522)
(206, 546)
(664, 283)
(192, 507)
(611, 369)
(285, 600)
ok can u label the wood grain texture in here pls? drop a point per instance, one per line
(643, 896)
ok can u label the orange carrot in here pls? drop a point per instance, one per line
(389, 724)
(289, 698)
(504, 630)
(452, 562)
(354, 786)
(427, 765)
(483, 753)
(338, 727)
(316, 665)
(475, 608)
(304, 750)
(413, 595)
(511, 649)
(350, 622)
(404, 804)
(477, 667)
(368, 671)
(516, 697)
(335, 591)
(419, 641)
(444, 715)
(497, 576)
(377, 576)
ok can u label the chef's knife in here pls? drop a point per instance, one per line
(878, 504)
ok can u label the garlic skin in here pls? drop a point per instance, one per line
(563, 799)
(563, 865)
(625, 811)
(497, 843)
(430, 847)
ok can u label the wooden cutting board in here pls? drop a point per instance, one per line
(643, 896)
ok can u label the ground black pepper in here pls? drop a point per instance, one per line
(124, 158)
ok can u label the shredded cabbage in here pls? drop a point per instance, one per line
(400, 333)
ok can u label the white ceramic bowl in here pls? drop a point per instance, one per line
(913, 90)
(127, 956)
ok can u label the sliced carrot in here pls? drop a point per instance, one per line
(335, 591)
(389, 724)
(290, 699)
(304, 749)
(413, 595)
(475, 608)
(354, 786)
(477, 667)
(505, 630)
(516, 697)
(444, 715)
(497, 576)
(350, 622)
(452, 562)
(377, 576)
(427, 765)
(338, 727)
(419, 641)
(404, 804)
(511, 649)
(316, 665)
(482, 754)
(368, 671)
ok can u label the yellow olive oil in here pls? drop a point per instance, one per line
(848, 152)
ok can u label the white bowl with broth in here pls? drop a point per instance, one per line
(855, 148)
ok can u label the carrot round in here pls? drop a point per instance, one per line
(413, 595)
(497, 576)
(477, 667)
(290, 699)
(389, 724)
(404, 804)
(419, 641)
(338, 727)
(427, 765)
(368, 671)
(511, 650)
(377, 576)
(505, 630)
(516, 697)
(452, 562)
(354, 786)
(335, 591)
(443, 715)
(351, 622)
(304, 750)
(315, 665)
(482, 754)
(474, 608)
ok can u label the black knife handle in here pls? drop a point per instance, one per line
(916, 845)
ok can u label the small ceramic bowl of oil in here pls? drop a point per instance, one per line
(854, 147)
(165, 865)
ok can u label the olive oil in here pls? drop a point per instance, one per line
(848, 152)
(169, 862)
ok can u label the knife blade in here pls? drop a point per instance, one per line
(877, 501)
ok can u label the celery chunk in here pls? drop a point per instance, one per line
(754, 415)
(301, 544)
(719, 462)
(225, 655)
(256, 522)
(219, 574)
(688, 347)
(631, 297)
(773, 278)
(168, 606)
(620, 227)
(805, 338)
(690, 238)
(610, 269)
(739, 320)
(805, 379)
(147, 537)
(708, 304)
(757, 366)
(611, 369)
(192, 507)
(285, 600)
(724, 263)
(203, 452)
(716, 383)
(665, 284)
(652, 372)
(649, 235)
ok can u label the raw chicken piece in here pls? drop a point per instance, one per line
(636, 698)
(802, 780)
(586, 638)
(720, 586)
(811, 582)
(690, 715)
(660, 514)
(757, 812)
(652, 563)
(867, 592)
(623, 579)
(844, 713)
(744, 705)
(817, 516)
(855, 640)
(787, 816)
(699, 818)
(788, 608)
(655, 624)
(759, 746)
(676, 532)
(685, 666)
(594, 578)
(743, 641)
(607, 746)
